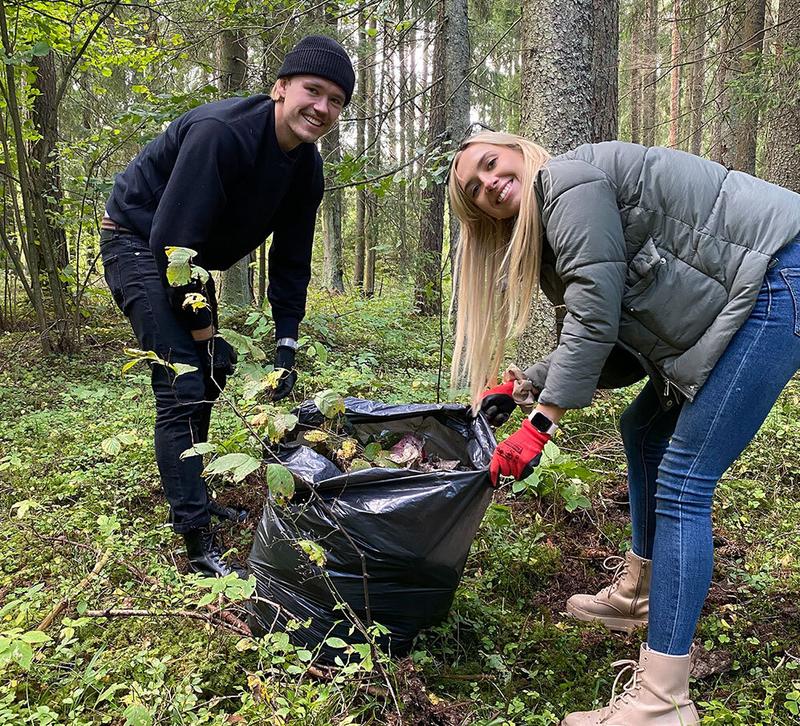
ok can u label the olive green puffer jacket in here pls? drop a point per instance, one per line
(656, 251)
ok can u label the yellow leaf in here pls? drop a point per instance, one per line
(315, 436)
(348, 449)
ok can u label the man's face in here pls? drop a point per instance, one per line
(310, 107)
(491, 176)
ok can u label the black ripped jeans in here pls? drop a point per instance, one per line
(183, 411)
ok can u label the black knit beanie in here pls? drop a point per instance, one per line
(318, 55)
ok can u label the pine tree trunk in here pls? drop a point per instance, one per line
(558, 107)
(605, 70)
(236, 288)
(427, 293)
(675, 76)
(746, 129)
(361, 125)
(457, 88)
(650, 62)
(783, 132)
(698, 78)
(635, 61)
(557, 80)
(374, 88)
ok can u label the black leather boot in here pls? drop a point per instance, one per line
(204, 554)
(231, 513)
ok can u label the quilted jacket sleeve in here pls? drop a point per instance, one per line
(583, 226)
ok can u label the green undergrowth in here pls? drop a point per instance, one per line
(83, 532)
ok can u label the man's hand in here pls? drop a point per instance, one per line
(218, 358)
(518, 454)
(284, 359)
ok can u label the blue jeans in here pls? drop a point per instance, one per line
(183, 403)
(676, 457)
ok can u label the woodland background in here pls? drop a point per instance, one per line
(96, 626)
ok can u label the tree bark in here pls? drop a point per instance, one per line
(698, 78)
(46, 174)
(635, 73)
(361, 192)
(236, 288)
(782, 164)
(562, 47)
(675, 76)
(374, 87)
(605, 70)
(457, 84)
(746, 129)
(427, 292)
(650, 62)
(557, 79)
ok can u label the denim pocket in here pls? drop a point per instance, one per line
(113, 279)
(791, 276)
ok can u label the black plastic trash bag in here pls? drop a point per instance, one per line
(413, 529)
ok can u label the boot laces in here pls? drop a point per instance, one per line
(634, 670)
(618, 566)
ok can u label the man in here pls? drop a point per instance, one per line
(219, 180)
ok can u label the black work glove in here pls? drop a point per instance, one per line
(284, 358)
(218, 358)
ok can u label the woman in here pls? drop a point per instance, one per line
(666, 264)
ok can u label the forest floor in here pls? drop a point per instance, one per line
(83, 532)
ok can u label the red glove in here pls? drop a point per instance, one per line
(498, 403)
(518, 454)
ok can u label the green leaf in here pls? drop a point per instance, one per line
(335, 643)
(111, 446)
(35, 636)
(181, 368)
(359, 465)
(40, 48)
(313, 551)
(207, 599)
(243, 344)
(329, 403)
(282, 423)
(280, 482)
(22, 508)
(137, 715)
(238, 465)
(110, 691)
(198, 450)
(372, 451)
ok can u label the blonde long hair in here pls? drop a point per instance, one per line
(497, 270)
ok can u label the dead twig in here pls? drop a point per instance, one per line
(82, 585)
(137, 613)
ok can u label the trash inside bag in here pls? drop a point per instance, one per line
(395, 540)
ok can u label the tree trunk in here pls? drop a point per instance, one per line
(558, 106)
(605, 70)
(746, 128)
(457, 85)
(557, 78)
(635, 61)
(361, 192)
(427, 292)
(332, 266)
(236, 288)
(650, 62)
(675, 76)
(374, 83)
(46, 168)
(698, 78)
(783, 132)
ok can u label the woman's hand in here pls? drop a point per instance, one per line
(518, 454)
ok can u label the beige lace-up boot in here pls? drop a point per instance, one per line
(624, 604)
(656, 694)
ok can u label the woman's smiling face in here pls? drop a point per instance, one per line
(491, 177)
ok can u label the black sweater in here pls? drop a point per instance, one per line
(217, 181)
